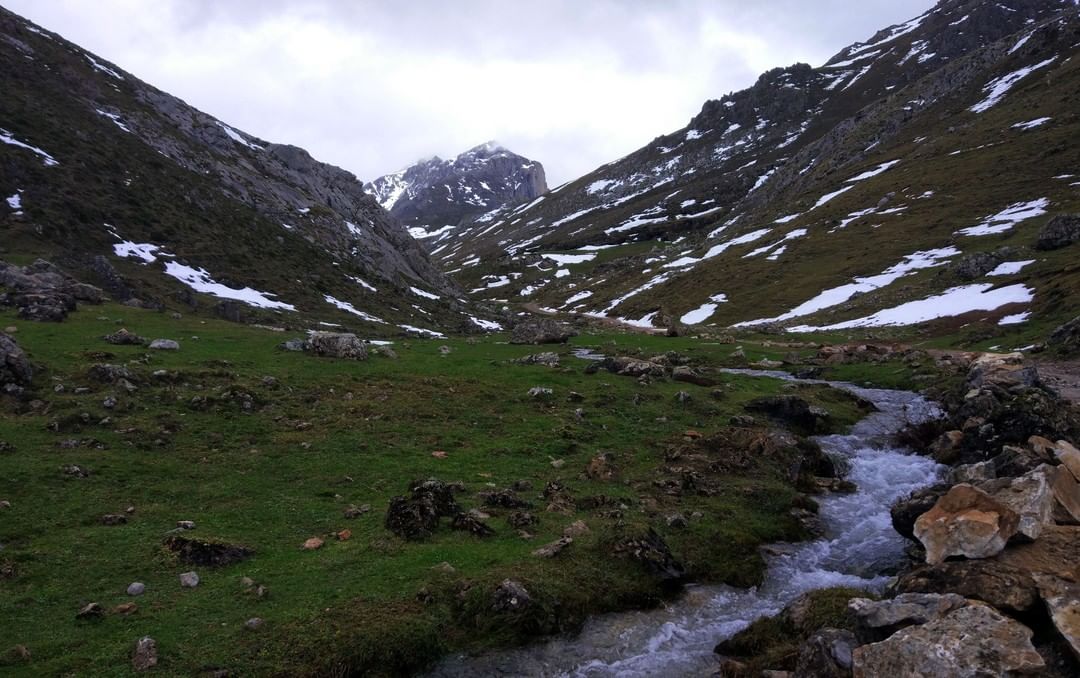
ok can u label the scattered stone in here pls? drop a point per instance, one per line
(1061, 231)
(968, 522)
(793, 411)
(253, 624)
(1004, 586)
(356, 511)
(473, 523)
(439, 454)
(444, 568)
(124, 338)
(109, 403)
(554, 548)
(336, 345)
(15, 368)
(5, 504)
(601, 467)
(75, 471)
(503, 499)
(1005, 370)
(125, 609)
(145, 655)
(1062, 599)
(652, 551)
(677, 521)
(541, 331)
(110, 374)
(972, 641)
(691, 376)
(136, 588)
(521, 519)
(558, 463)
(826, 654)
(344, 535)
(206, 553)
(113, 519)
(973, 473)
(946, 449)
(416, 517)
(445, 350)
(510, 596)
(189, 580)
(91, 611)
(164, 345)
(1030, 496)
(312, 544)
(683, 397)
(185, 524)
(540, 392)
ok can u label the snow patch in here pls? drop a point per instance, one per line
(199, 280)
(349, 308)
(1006, 219)
(997, 88)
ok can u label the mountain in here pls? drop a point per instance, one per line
(435, 195)
(937, 142)
(130, 188)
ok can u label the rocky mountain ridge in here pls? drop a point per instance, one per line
(111, 177)
(434, 195)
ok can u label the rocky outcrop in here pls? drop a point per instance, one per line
(1001, 585)
(1065, 339)
(1061, 231)
(541, 331)
(43, 292)
(15, 369)
(970, 642)
(879, 619)
(965, 522)
(653, 553)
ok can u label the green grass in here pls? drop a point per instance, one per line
(326, 435)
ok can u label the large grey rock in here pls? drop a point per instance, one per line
(965, 522)
(1061, 231)
(15, 367)
(541, 331)
(337, 345)
(1031, 496)
(905, 609)
(971, 642)
(164, 345)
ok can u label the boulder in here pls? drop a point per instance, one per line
(907, 510)
(1030, 496)
(1056, 552)
(336, 345)
(1005, 370)
(541, 331)
(15, 367)
(1065, 339)
(965, 522)
(792, 411)
(970, 642)
(136, 588)
(510, 596)
(1066, 493)
(417, 516)
(974, 265)
(164, 345)
(122, 337)
(205, 552)
(1061, 231)
(946, 449)
(189, 580)
(826, 654)
(1004, 586)
(652, 551)
(503, 499)
(1068, 456)
(548, 359)
(973, 473)
(878, 619)
(145, 655)
(691, 376)
(1062, 599)
(633, 367)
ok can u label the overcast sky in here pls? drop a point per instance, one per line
(374, 86)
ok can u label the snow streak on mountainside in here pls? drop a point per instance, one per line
(813, 178)
(433, 196)
(100, 159)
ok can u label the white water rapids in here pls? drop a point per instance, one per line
(859, 550)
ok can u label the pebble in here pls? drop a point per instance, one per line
(312, 544)
(186, 524)
(90, 611)
(136, 588)
(189, 580)
(253, 624)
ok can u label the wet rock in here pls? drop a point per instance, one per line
(145, 656)
(878, 619)
(906, 511)
(205, 552)
(968, 522)
(510, 596)
(123, 337)
(189, 580)
(554, 548)
(792, 411)
(164, 345)
(90, 611)
(970, 642)
(1004, 586)
(652, 551)
(1061, 231)
(548, 359)
(541, 331)
(826, 654)
(336, 345)
(1062, 599)
(15, 368)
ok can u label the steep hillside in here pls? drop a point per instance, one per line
(433, 196)
(802, 198)
(101, 171)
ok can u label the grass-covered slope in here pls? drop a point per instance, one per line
(266, 449)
